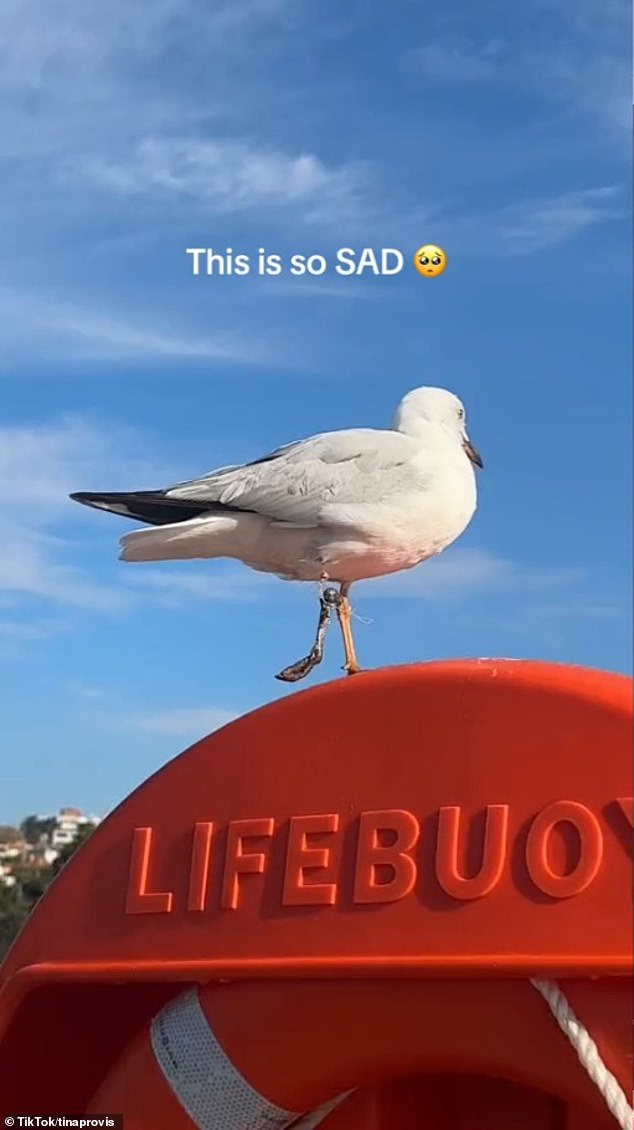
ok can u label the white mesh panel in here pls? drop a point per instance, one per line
(203, 1078)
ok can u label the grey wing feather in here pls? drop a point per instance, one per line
(300, 482)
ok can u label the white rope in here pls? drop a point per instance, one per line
(315, 1117)
(588, 1053)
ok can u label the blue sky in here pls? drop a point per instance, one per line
(131, 132)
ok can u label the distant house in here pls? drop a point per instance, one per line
(39, 841)
(11, 842)
(68, 823)
(6, 878)
(12, 848)
(39, 856)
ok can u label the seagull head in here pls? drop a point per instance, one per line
(424, 406)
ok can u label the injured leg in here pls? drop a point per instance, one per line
(328, 599)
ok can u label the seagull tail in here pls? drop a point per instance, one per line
(200, 538)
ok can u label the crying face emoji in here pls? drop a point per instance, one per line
(430, 260)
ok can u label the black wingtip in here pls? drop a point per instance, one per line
(85, 497)
(149, 506)
(91, 498)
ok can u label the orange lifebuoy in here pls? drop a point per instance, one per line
(374, 886)
(270, 1055)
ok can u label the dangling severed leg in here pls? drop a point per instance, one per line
(344, 612)
(328, 599)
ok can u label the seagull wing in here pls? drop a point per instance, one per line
(312, 481)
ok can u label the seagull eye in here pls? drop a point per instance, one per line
(461, 413)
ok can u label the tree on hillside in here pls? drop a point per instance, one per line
(11, 916)
(32, 882)
(33, 828)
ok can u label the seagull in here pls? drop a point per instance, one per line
(336, 508)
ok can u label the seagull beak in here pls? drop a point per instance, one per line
(471, 452)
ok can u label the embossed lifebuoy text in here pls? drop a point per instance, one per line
(375, 857)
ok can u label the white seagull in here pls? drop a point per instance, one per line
(338, 507)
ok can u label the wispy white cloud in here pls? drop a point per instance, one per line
(346, 287)
(584, 607)
(186, 722)
(43, 463)
(575, 55)
(86, 691)
(228, 176)
(541, 599)
(594, 86)
(96, 99)
(586, 64)
(172, 588)
(16, 630)
(46, 328)
(454, 575)
(103, 132)
(180, 722)
(529, 226)
(18, 636)
(457, 62)
(29, 568)
(79, 78)
(459, 573)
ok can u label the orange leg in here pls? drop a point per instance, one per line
(344, 613)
